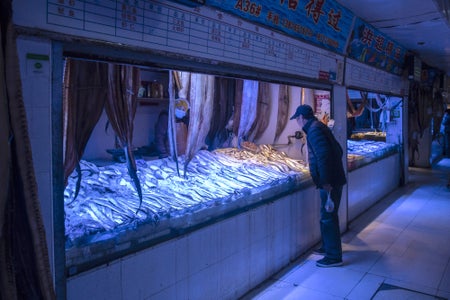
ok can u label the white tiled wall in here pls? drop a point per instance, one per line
(369, 184)
(36, 87)
(221, 261)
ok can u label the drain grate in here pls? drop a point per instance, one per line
(389, 292)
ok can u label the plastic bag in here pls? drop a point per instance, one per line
(329, 205)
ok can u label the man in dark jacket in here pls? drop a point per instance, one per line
(327, 172)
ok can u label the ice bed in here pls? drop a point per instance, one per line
(364, 152)
(108, 219)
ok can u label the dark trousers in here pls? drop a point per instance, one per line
(329, 224)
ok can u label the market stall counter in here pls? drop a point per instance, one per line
(373, 172)
(107, 220)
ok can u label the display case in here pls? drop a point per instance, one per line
(374, 143)
(374, 127)
(123, 196)
(363, 152)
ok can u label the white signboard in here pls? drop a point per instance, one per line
(367, 77)
(195, 31)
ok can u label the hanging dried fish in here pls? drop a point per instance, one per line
(132, 170)
(184, 81)
(283, 110)
(171, 126)
(237, 105)
(201, 97)
(351, 111)
(77, 189)
(248, 109)
(222, 111)
(120, 107)
(263, 115)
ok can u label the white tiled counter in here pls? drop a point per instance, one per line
(220, 261)
(369, 183)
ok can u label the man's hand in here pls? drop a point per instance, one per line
(327, 187)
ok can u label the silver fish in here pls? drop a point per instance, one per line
(201, 98)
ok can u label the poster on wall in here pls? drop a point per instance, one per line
(322, 103)
(323, 23)
(372, 47)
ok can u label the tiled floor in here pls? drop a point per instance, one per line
(403, 242)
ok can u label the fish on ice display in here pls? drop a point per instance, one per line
(107, 198)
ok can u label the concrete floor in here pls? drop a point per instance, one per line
(399, 249)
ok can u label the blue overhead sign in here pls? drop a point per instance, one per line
(370, 46)
(320, 22)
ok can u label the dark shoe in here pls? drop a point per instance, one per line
(319, 251)
(328, 262)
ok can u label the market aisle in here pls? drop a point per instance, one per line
(399, 249)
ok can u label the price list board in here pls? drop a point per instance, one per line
(368, 77)
(195, 31)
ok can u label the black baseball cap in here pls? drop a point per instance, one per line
(304, 110)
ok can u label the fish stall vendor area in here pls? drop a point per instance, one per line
(374, 127)
(106, 217)
(170, 152)
(374, 148)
